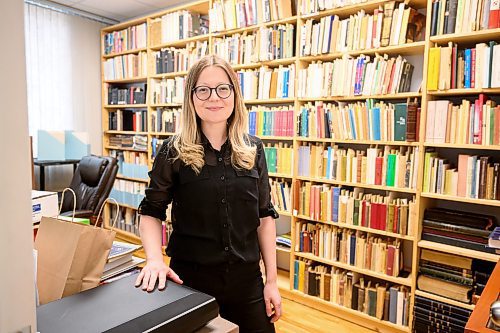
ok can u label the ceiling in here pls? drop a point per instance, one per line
(120, 10)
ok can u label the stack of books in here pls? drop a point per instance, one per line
(430, 315)
(120, 259)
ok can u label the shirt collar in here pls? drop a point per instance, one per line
(211, 154)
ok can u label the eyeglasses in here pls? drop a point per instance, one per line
(222, 90)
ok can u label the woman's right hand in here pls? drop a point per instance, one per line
(156, 270)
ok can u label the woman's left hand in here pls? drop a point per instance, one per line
(273, 301)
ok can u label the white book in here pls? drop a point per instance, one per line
(495, 67)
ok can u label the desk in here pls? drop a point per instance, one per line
(479, 317)
(44, 163)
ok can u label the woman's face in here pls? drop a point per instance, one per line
(213, 97)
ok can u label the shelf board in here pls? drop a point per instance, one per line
(468, 37)
(444, 300)
(127, 80)
(124, 106)
(162, 105)
(279, 175)
(375, 187)
(362, 97)
(181, 42)
(283, 213)
(125, 132)
(459, 92)
(139, 180)
(403, 49)
(458, 251)
(462, 146)
(162, 133)
(169, 75)
(126, 149)
(271, 137)
(218, 34)
(111, 55)
(125, 235)
(402, 281)
(360, 228)
(269, 63)
(495, 203)
(269, 101)
(358, 142)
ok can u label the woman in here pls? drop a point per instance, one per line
(215, 176)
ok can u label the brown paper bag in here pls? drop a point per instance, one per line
(71, 257)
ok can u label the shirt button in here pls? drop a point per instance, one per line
(223, 201)
(222, 178)
(226, 248)
(225, 225)
(220, 159)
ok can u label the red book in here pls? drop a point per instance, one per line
(382, 221)
(390, 260)
(378, 170)
(396, 225)
(374, 214)
(494, 19)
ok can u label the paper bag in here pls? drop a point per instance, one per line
(71, 257)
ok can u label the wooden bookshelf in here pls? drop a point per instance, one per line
(139, 180)
(419, 49)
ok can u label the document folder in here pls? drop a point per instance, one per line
(121, 307)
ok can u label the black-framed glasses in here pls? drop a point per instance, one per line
(222, 90)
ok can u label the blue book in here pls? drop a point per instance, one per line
(352, 256)
(285, 82)
(473, 193)
(296, 275)
(282, 188)
(353, 123)
(376, 123)
(335, 204)
(328, 161)
(467, 67)
(305, 124)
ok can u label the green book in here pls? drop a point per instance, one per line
(391, 169)
(400, 117)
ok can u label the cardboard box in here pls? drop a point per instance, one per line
(44, 203)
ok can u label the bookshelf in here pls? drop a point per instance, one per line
(416, 52)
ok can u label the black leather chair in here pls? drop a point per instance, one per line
(92, 182)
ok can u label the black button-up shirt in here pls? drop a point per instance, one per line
(215, 214)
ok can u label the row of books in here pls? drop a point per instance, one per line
(342, 206)
(265, 44)
(138, 142)
(354, 291)
(476, 122)
(127, 120)
(170, 60)
(178, 25)
(133, 37)
(370, 120)
(459, 228)
(454, 16)
(281, 194)
(127, 219)
(127, 94)
(434, 316)
(475, 177)
(233, 14)
(265, 82)
(316, 6)
(129, 157)
(349, 76)
(166, 120)
(128, 192)
(387, 26)
(126, 66)
(350, 247)
(270, 121)
(279, 157)
(155, 146)
(168, 90)
(451, 68)
(375, 166)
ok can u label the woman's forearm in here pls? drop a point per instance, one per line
(267, 241)
(150, 229)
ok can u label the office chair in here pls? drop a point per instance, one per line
(92, 182)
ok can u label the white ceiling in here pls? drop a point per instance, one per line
(120, 10)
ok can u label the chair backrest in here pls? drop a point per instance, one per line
(92, 183)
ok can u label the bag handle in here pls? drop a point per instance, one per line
(74, 203)
(100, 211)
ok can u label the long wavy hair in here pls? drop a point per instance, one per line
(187, 144)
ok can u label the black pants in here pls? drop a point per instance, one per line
(238, 289)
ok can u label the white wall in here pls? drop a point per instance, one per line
(17, 302)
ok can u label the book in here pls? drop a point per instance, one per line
(494, 238)
(125, 266)
(120, 249)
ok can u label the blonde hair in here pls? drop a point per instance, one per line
(187, 144)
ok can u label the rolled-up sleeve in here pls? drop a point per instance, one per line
(159, 192)
(266, 207)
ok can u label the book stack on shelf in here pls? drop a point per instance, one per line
(373, 114)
